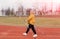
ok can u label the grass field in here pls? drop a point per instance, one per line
(40, 21)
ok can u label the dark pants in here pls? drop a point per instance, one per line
(30, 26)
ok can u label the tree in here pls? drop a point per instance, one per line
(2, 12)
(7, 12)
(12, 12)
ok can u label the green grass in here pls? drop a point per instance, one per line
(40, 21)
(48, 22)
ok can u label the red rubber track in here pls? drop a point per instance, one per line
(15, 32)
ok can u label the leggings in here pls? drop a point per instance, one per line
(30, 26)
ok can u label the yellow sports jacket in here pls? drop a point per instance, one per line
(31, 19)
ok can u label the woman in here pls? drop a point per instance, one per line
(31, 21)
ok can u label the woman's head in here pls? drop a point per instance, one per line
(32, 11)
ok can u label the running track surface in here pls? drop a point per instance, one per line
(15, 32)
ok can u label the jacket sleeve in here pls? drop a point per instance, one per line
(29, 18)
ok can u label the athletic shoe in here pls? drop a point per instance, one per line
(35, 35)
(24, 34)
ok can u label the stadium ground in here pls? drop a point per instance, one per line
(13, 27)
(15, 32)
